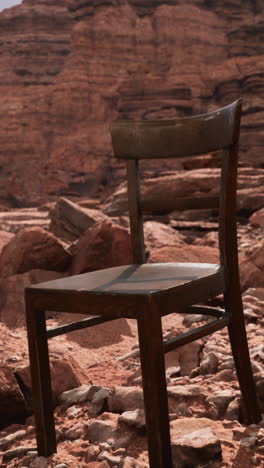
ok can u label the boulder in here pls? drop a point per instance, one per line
(104, 245)
(33, 248)
(197, 447)
(195, 441)
(221, 399)
(100, 431)
(185, 253)
(65, 375)
(134, 418)
(192, 183)
(252, 268)
(159, 235)
(12, 292)
(69, 220)
(257, 219)
(126, 399)
(12, 404)
(5, 238)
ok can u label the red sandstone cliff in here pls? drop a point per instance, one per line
(64, 75)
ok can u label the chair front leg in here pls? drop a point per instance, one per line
(154, 386)
(41, 380)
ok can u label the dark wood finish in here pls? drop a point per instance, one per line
(232, 294)
(195, 334)
(123, 289)
(73, 326)
(154, 386)
(135, 212)
(41, 381)
(166, 206)
(146, 292)
(173, 138)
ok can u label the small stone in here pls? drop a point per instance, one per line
(221, 399)
(134, 418)
(233, 409)
(61, 465)
(212, 412)
(248, 441)
(210, 364)
(76, 395)
(196, 448)
(111, 459)
(6, 441)
(100, 431)
(75, 432)
(32, 453)
(182, 409)
(130, 462)
(228, 364)
(104, 446)
(101, 395)
(72, 412)
(186, 391)
(125, 399)
(39, 462)
(16, 452)
(99, 400)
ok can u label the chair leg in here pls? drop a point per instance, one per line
(154, 388)
(41, 381)
(239, 346)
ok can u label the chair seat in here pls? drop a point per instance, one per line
(133, 279)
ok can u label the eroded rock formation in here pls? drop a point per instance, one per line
(68, 69)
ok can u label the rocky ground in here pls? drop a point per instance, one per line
(95, 372)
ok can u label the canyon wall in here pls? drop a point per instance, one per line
(68, 68)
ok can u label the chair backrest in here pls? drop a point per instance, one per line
(183, 137)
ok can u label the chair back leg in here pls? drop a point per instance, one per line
(240, 351)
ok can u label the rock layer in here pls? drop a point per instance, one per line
(63, 81)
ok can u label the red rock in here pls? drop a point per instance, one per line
(252, 268)
(201, 445)
(185, 253)
(5, 238)
(12, 291)
(12, 404)
(15, 220)
(102, 464)
(100, 431)
(103, 245)
(125, 399)
(30, 249)
(257, 219)
(160, 235)
(69, 220)
(210, 239)
(65, 375)
(192, 183)
(55, 113)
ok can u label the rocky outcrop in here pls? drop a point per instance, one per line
(104, 245)
(69, 220)
(192, 183)
(66, 75)
(30, 249)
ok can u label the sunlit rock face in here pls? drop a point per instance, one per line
(68, 68)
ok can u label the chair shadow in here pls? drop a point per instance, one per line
(104, 334)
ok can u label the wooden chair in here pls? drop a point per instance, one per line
(146, 292)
